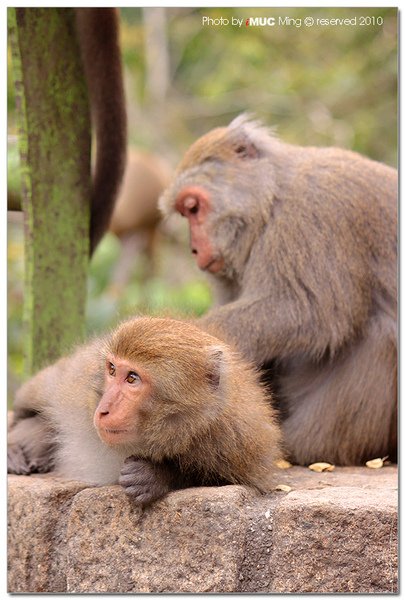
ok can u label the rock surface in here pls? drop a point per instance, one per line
(333, 532)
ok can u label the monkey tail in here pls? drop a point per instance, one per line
(98, 32)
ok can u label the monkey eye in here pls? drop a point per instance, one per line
(132, 377)
(111, 369)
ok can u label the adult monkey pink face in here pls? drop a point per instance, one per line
(193, 203)
(211, 188)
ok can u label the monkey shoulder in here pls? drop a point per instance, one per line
(343, 171)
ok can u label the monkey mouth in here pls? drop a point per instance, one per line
(115, 437)
(115, 430)
(213, 266)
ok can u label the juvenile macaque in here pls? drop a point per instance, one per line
(302, 242)
(157, 405)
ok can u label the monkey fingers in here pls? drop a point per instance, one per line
(143, 480)
(30, 448)
(17, 462)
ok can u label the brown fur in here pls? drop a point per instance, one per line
(98, 37)
(198, 416)
(136, 216)
(302, 243)
(136, 208)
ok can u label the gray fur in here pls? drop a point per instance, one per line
(309, 237)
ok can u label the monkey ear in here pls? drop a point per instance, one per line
(216, 364)
(250, 139)
(246, 149)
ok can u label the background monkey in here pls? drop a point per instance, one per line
(173, 402)
(146, 177)
(302, 242)
(136, 216)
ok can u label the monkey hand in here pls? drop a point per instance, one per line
(30, 447)
(144, 481)
(17, 462)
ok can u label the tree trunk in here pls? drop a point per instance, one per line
(55, 140)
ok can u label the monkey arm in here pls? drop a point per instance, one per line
(31, 439)
(301, 300)
(264, 329)
(61, 388)
(258, 328)
(145, 481)
(30, 447)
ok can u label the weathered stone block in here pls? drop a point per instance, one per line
(38, 509)
(192, 541)
(334, 532)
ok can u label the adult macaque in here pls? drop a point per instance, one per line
(136, 215)
(303, 243)
(157, 405)
(98, 34)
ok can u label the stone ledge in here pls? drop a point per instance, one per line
(334, 532)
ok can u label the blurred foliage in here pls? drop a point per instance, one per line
(159, 292)
(332, 85)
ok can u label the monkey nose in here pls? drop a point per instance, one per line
(190, 202)
(194, 251)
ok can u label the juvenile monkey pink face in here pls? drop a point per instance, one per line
(118, 414)
(193, 203)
